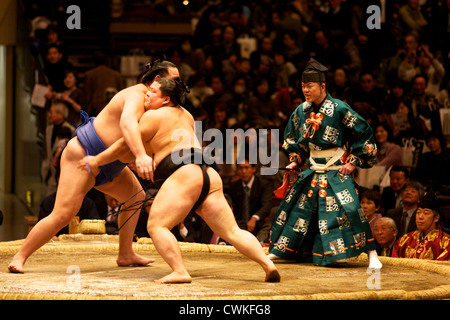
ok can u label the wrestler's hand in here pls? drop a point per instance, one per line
(89, 164)
(144, 167)
(347, 168)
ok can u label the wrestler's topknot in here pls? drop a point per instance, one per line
(158, 67)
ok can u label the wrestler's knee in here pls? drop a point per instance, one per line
(73, 150)
(151, 223)
(151, 228)
(60, 220)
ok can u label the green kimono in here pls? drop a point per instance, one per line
(322, 200)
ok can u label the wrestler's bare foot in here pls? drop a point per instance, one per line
(175, 277)
(133, 260)
(273, 276)
(16, 266)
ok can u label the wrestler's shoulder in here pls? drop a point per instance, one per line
(163, 114)
(134, 89)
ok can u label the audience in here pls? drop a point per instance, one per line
(428, 241)
(251, 197)
(397, 81)
(72, 97)
(389, 153)
(432, 169)
(385, 233)
(405, 215)
(391, 195)
(57, 116)
(55, 65)
(99, 83)
(371, 204)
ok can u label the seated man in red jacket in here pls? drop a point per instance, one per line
(428, 241)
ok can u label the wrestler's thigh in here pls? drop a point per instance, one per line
(176, 197)
(215, 210)
(125, 188)
(73, 182)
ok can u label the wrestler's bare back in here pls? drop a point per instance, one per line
(107, 122)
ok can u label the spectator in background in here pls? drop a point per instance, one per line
(385, 233)
(245, 70)
(428, 241)
(402, 123)
(283, 70)
(176, 56)
(443, 97)
(208, 21)
(199, 91)
(194, 229)
(405, 216)
(110, 213)
(57, 115)
(55, 66)
(389, 153)
(274, 29)
(63, 136)
(371, 204)
(72, 97)
(193, 57)
(367, 97)
(261, 110)
(432, 68)
(289, 98)
(426, 64)
(290, 48)
(231, 47)
(53, 37)
(220, 95)
(265, 48)
(433, 169)
(264, 70)
(423, 106)
(396, 92)
(412, 18)
(338, 17)
(323, 49)
(340, 88)
(214, 51)
(239, 104)
(390, 67)
(347, 56)
(98, 82)
(391, 196)
(251, 197)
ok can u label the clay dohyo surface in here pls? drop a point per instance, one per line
(74, 269)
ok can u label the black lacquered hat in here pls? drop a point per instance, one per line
(314, 72)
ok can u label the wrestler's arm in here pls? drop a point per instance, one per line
(118, 149)
(129, 124)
